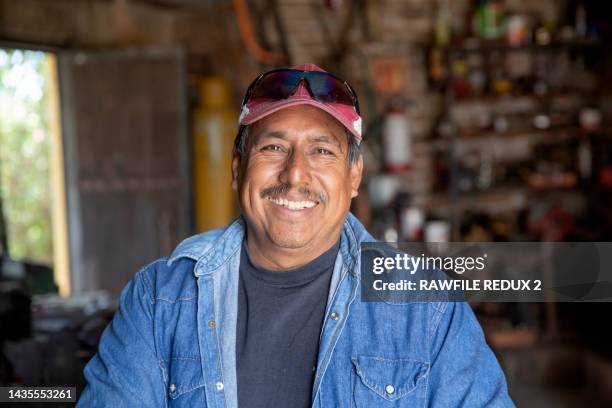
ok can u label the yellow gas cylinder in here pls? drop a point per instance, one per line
(214, 129)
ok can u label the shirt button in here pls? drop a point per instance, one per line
(212, 324)
(219, 386)
(172, 387)
(390, 389)
(335, 316)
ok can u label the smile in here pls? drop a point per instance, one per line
(293, 205)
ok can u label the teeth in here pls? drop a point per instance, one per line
(293, 205)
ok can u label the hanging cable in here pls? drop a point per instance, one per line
(248, 37)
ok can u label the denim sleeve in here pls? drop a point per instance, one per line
(125, 372)
(464, 371)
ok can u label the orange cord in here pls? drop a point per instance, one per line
(251, 44)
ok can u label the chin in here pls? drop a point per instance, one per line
(289, 239)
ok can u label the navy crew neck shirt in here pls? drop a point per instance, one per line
(280, 315)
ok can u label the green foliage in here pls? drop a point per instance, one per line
(25, 155)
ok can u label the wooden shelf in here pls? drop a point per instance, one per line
(512, 146)
(492, 46)
(494, 200)
(516, 98)
(498, 200)
(535, 136)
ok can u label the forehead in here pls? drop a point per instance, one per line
(301, 120)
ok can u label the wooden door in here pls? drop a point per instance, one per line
(125, 124)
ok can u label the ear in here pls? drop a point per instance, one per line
(356, 171)
(235, 170)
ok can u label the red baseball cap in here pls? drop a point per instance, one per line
(256, 109)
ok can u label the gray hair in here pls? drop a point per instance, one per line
(240, 144)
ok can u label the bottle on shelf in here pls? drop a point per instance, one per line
(580, 24)
(489, 19)
(442, 30)
(590, 124)
(397, 137)
(410, 218)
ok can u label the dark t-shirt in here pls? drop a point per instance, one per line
(280, 315)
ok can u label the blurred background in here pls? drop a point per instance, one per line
(485, 120)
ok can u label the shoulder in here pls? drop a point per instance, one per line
(172, 278)
(168, 282)
(197, 245)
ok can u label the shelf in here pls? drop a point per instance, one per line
(487, 47)
(524, 189)
(535, 136)
(498, 200)
(525, 338)
(494, 200)
(519, 107)
(516, 98)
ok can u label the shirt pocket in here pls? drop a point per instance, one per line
(393, 383)
(185, 382)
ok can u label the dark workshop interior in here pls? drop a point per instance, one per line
(485, 121)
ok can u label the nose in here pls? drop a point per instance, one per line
(297, 171)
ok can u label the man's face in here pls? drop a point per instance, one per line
(294, 182)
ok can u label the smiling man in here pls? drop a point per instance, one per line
(266, 312)
(295, 184)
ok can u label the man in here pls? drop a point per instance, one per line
(266, 312)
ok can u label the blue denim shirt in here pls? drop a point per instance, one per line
(172, 341)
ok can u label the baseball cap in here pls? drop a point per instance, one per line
(255, 109)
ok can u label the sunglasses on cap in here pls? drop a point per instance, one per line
(282, 83)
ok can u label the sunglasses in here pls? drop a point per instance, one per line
(282, 83)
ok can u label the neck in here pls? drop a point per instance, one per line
(274, 258)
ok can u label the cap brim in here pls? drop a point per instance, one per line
(269, 108)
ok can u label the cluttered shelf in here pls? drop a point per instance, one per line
(520, 131)
(486, 46)
(516, 99)
(531, 135)
(505, 198)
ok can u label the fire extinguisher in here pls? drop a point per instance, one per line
(214, 129)
(397, 137)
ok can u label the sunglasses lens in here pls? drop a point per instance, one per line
(328, 89)
(324, 87)
(276, 85)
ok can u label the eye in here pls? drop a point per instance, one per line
(272, 148)
(323, 151)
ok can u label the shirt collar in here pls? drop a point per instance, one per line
(213, 249)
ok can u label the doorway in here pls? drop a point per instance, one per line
(32, 205)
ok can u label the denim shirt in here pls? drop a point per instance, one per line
(172, 341)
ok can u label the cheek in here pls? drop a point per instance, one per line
(257, 176)
(262, 169)
(337, 187)
(258, 173)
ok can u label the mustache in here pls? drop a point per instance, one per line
(284, 188)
